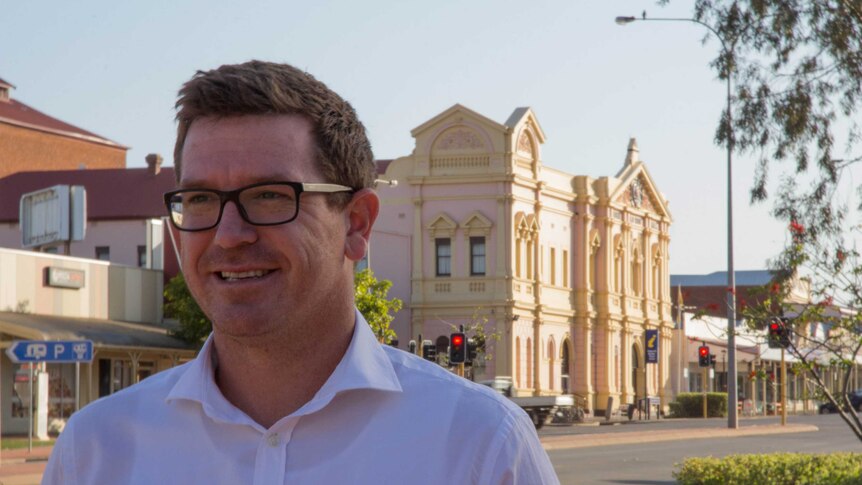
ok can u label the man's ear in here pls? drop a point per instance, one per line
(361, 212)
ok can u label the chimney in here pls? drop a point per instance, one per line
(154, 163)
(5, 91)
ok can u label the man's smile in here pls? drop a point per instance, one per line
(243, 275)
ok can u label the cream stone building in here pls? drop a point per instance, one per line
(568, 270)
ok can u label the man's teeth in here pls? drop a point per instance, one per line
(232, 276)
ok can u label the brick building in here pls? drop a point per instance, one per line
(31, 140)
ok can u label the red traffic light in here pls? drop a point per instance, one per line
(704, 351)
(774, 326)
(457, 340)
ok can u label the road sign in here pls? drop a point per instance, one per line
(651, 346)
(54, 351)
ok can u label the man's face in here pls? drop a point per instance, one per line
(254, 280)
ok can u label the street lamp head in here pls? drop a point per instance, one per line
(624, 20)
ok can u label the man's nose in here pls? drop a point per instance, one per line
(233, 230)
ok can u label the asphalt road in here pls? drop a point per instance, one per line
(653, 463)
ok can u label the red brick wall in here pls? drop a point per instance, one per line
(22, 149)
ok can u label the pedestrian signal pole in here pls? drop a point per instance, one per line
(783, 389)
(704, 361)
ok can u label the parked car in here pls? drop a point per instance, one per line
(855, 401)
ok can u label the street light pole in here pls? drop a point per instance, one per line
(732, 391)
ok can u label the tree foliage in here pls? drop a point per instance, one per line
(370, 295)
(476, 331)
(796, 67)
(797, 71)
(194, 326)
(825, 323)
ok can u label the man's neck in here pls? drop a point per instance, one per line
(287, 369)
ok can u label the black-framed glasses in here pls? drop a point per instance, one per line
(261, 204)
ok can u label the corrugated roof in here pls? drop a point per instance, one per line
(719, 278)
(121, 193)
(16, 113)
(103, 333)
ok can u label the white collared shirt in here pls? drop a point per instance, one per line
(383, 416)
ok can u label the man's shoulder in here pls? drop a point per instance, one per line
(419, 377)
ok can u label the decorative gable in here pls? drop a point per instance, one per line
(476, 224)
(638, 195)
(458, 138)
(442, 226)
(634, 186)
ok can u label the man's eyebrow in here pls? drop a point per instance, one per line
(201, 184)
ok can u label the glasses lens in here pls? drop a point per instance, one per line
(269, 204)
(195, 209)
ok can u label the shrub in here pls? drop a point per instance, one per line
(690, 405)
(769, 469)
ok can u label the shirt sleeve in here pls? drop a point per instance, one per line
(60, 467)
(520, 458)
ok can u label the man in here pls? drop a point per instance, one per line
(275, 205)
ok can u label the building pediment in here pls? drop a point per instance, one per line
(476, 224)
(442, 226)
(458, 129)
(635, 187)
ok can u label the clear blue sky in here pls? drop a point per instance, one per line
(114, 68)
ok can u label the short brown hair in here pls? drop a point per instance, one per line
(261, 88)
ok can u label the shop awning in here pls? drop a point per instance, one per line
(103, 333)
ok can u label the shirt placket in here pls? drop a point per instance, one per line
(271, 459)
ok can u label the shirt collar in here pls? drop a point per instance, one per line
(364, 365)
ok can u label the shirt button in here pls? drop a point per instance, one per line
(272, 439)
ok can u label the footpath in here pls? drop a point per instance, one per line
(20, 467)
(653, 435)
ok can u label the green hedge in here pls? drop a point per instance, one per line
(775, 468)
(690, 405)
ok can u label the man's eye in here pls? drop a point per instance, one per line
(199, 198)
(273, 195)
(269, 195)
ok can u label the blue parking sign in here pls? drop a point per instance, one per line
(54, 351)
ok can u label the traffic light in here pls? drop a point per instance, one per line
(411, 347)
(457, 348)
(779, 334)
(703, 356)
(712, 360)
(429, 351)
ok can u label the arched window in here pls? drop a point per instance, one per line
(635, 370)
(594, 262)
(552, 363)
(564, 367)
(529, 362)
(656, 275)
(636, 271)
(517, 361)
(618, 267)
